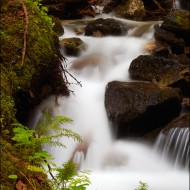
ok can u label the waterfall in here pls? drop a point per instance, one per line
(115, 164)
(174, 144)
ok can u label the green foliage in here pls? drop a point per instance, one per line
(12, 176)
(41, 49)
(48, 132)
(30, 144)
(142, 186)
(67, 178)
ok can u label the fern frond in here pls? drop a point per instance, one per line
(71, 134)
(22, 135)
(36, 169)
(55, 143)
(40, 155)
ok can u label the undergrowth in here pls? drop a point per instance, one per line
(29, 144)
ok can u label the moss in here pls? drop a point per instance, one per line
(57, 26)
(13, 164)
(42, 52)
(22, 85)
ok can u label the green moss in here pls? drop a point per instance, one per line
(41, 51)
(57, 26)
(42, 58)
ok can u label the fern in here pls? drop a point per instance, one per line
(142, 186)
(36, 169)
(67, 177)
(22, 135)
(48, 132)
(80, 181)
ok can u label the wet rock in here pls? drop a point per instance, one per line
(106, 27)
(169, 39)
(131, 9)
(157, 49)
(136, 108)
(186, 105)
(72, 46)
(164, 72)
(177, 22)
(181, 121)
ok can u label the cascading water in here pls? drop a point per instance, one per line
(115, 164)
(174, 144)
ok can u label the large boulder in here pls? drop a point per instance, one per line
(104, 27)
(72, 46)
(136, 108)
(164, 72)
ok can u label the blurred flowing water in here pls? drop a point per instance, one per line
(115, 164)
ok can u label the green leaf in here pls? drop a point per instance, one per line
(142, 186)
(12, 176)
(35, 169)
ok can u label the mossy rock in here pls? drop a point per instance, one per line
(132, 9)
(178, 23)
(72, 46)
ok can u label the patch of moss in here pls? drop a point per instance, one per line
(57, 26)
(23, 84)
(42, 52)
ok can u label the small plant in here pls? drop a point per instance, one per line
(30, 144)
(67, 178)
(142, 186)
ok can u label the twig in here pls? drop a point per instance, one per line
(27, 180)
(78, 82)
(25, 31)
(159, 6)
(49, 169)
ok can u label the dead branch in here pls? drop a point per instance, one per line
(78, 82)
(25, 31)
(159, 6)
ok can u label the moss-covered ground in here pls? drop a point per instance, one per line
(23, 80)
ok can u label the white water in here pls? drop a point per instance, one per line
(115, 164)
(174, 144)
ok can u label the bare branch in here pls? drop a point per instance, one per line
(25, 31)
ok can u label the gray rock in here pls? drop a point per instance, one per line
(136, 108)
(162, 71)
